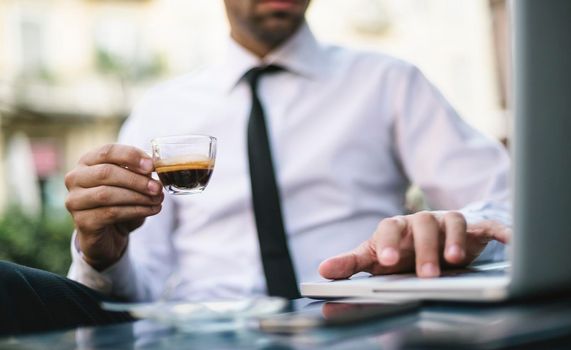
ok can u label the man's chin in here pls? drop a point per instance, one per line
(277, 29)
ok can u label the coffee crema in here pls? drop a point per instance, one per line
(189, 176)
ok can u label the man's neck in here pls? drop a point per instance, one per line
(256, 47)
(259, 47)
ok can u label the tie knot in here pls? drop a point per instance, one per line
(254, 74)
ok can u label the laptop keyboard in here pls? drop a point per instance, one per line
(469, 272)
(491, 269)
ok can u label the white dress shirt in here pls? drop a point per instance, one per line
(349, 130)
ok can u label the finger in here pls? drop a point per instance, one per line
(387, 239)
(112, 175)
(93, 220)
(454, 226)
(132, 225)
(491, 229)
(122, 155)
(108, 196)
(426, 233)
(347, 264)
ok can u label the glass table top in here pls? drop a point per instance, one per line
(433, 325)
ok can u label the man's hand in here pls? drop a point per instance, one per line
(110, 194)
(424, 242)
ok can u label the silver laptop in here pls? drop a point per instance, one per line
(540, 253)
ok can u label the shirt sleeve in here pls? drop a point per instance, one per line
(457, 167)
(149, 260)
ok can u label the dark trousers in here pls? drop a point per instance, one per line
(32, 300)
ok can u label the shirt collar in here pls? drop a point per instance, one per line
(301, 55)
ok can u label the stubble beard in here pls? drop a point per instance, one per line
(270, 36)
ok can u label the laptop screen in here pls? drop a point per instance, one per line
(542, 158)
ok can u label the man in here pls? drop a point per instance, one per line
(346, 133)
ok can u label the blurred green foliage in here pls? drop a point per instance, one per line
(36, 242)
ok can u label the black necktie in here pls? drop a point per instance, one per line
(278, 269)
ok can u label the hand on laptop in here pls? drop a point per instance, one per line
(423, 242)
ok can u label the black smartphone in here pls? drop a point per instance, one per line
(334, 314)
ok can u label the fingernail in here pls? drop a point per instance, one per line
(429, 270)
(389, 256)
(153, 187)
(156, 208)
(455, 251)
(146, 164)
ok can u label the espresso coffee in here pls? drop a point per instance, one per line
(188, 176)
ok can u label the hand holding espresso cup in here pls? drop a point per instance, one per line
(111, 192)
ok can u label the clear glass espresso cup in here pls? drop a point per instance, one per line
(184, 163)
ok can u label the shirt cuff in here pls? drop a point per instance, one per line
(115, 280)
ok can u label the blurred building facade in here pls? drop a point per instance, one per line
(70, 70)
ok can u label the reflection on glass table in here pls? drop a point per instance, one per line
(442, 325)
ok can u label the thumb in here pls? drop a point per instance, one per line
(347, 264)
(492, 230)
